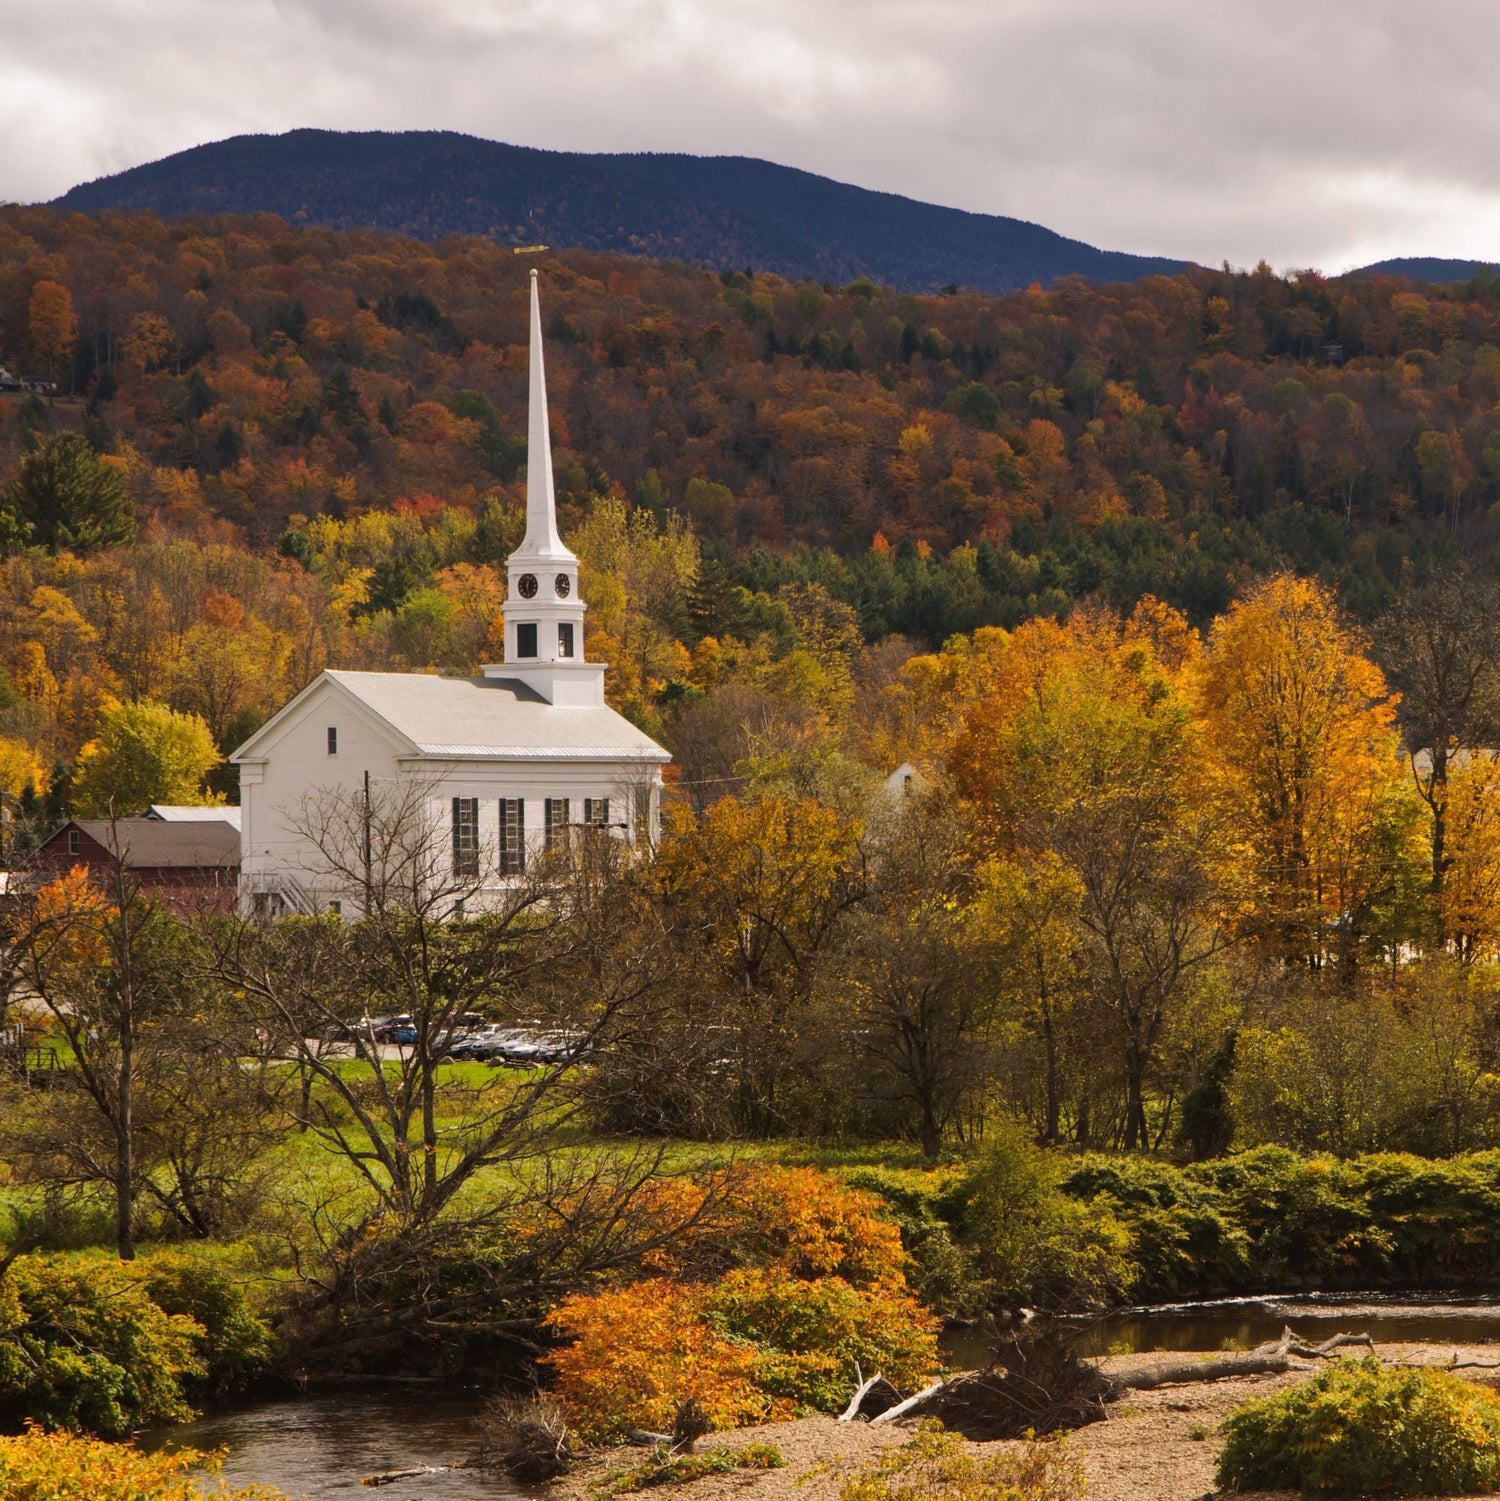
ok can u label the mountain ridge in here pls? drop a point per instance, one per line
(721, 212)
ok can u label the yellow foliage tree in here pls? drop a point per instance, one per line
(1302, 749)
(52, 324)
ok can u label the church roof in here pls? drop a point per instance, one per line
(487, 719)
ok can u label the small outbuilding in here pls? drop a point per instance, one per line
(189, 863)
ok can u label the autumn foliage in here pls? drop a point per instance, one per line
(788, 1280)
(40, 1466)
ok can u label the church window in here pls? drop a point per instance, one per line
(466, 836)
(512, 836)
(596, 812)
(526, 639)
(333, 740)
(555, 828)
(565, 639)
(72, 841)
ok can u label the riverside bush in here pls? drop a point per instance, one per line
(40, 1466)
(83, 1346)
(235, 1341)
(1269, 1218)
(1033, 1243)
(1360, 1428)
(756, 1345)
(804, 1220)
(939, 1466)
(925, 1205)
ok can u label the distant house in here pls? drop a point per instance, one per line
(904, 781)
(193, 862)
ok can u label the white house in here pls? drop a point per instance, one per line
(507, 761)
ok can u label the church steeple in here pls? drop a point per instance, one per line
(543, 611)
(541, 543)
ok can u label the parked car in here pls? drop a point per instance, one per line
(533, 1046)
(361, 1026)
(482, 1042)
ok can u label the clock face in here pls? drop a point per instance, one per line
(563, 584)
(527, 585)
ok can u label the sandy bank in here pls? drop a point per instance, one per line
(1146, 1451)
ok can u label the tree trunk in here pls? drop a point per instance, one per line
(1135, 1104)
(125, 1104)
(1054, 1103)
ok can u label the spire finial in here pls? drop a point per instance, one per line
(542, 538)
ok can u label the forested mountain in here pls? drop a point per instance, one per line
(725, 212)
(1428, 269)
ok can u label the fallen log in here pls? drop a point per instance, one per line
(1176, 1372)
(901, 1409)
(390, 1477)
(1270, 1359)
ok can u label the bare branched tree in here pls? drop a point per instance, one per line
(455, 1168)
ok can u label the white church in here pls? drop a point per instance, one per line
(508, 762)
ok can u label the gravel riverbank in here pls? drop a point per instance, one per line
(1146, 1451)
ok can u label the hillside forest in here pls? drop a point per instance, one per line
(1028, 544)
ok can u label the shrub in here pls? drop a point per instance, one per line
(800, 1219)
(940, 1466)
(235, 1341)
(811, 1335)
(82, 1346)
(41, 1466)
(635, 1349)
(1035, 1244)
(1182, 1239)
(753, 1346)
(675, 1469)
(923, 1205)
(1360, 1428)
(1303, 1217)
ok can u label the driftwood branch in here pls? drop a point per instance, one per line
(390, 1477)
(901, 1409)
(861, 1391)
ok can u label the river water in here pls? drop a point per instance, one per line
(1241, 1323)
(319, 1447)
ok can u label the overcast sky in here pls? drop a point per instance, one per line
(1324, 133)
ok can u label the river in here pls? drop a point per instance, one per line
(320, 1446)
(1240, 1323)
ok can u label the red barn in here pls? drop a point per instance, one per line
(190, 864)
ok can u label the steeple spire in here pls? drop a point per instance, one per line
(541, 542)
(543, 607)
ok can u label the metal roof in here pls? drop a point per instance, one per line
(497, 718)
(191, 813)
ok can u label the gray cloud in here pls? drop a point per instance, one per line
(1307, 132)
